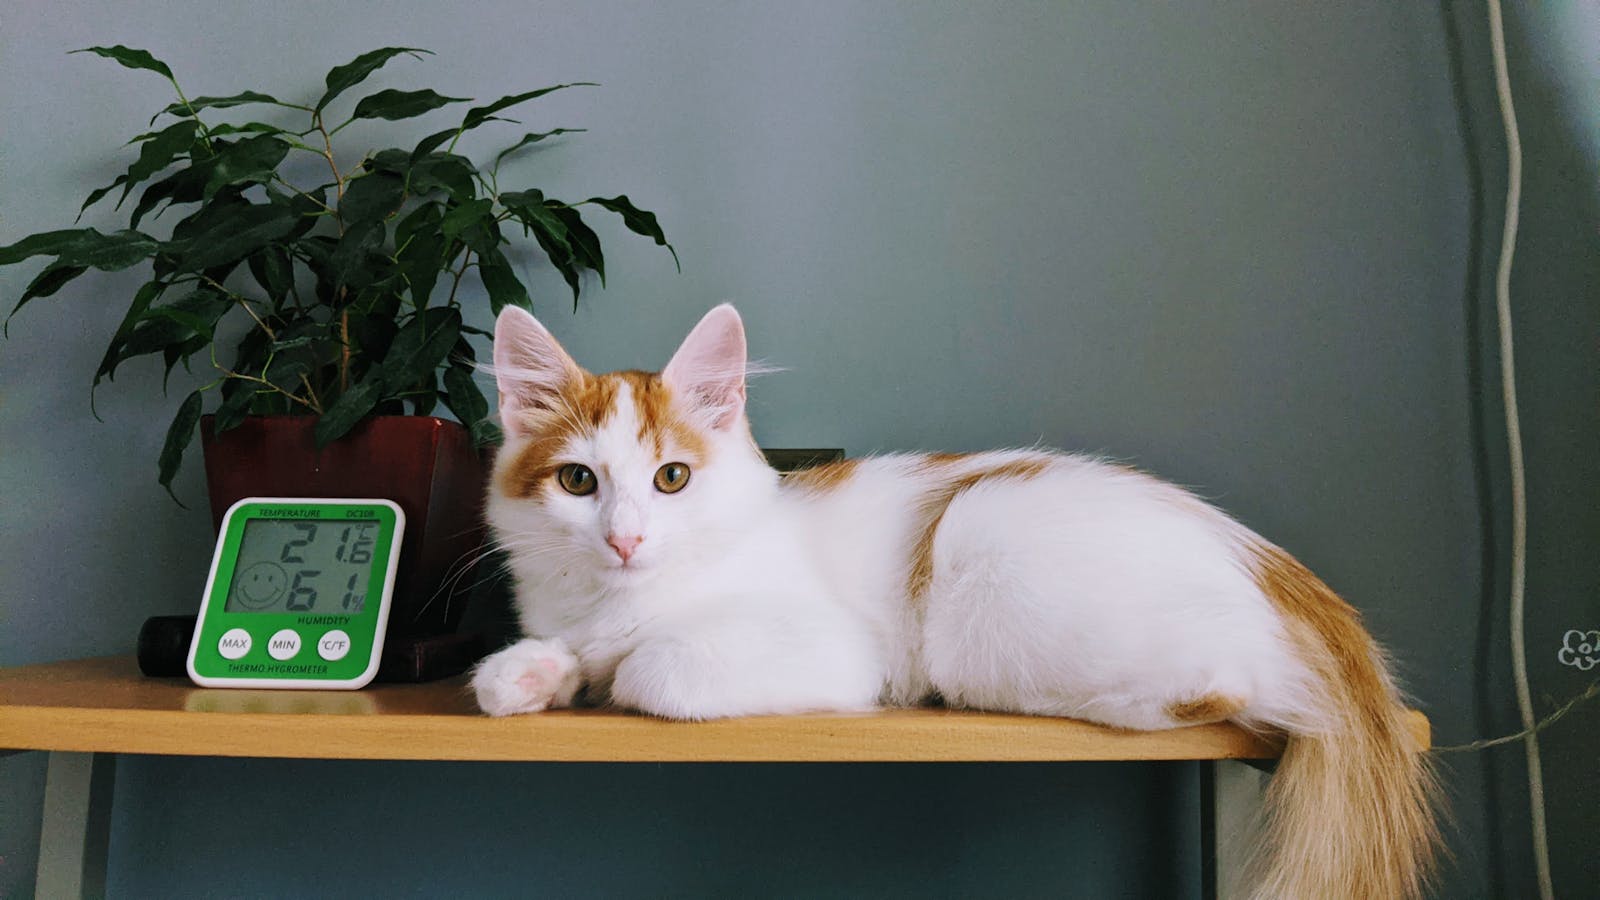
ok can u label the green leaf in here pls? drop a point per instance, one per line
(97, 194)
(530, 208)
(420, 346)
(581, 238)
(274, 271)
(375, 195)
(189, 320)
(424, 398)
(249, 161)
(179, 434)
(160, 148)
(432, 142)
(420, 265)
(152, 336)
(236, 235)
(237, 395)
(130, 57)
(198, 311)
(466, 400)
(199, 103)
(45, 243)
(156, 154)
(180, 352)
(419, 223)
(304, 340)
(479, 114)
(392, 104)
(550, 230)
(421, 253)
(350, 259)
(76, 251)
(147, 294)
(84, 247)
(308, 205)
(392, 160)
(533, 138)
(112, 252)
(639, 221)
(451, 174)
(246, 128)
(372, 335)
(351, 407)
(464, 216)
(288, 367)
(175, 330)
(501, 281)
(52, 279)
(342, 78)
(187, 185)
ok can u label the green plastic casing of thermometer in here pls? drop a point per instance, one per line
(298, 595)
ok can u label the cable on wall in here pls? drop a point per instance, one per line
(1519, 487)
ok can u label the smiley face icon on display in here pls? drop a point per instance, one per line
(260, 586)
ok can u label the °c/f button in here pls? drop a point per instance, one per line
(334, 645)
(284, 645)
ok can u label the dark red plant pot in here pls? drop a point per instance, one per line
(426, 465)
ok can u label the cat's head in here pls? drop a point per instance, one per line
(616, 476)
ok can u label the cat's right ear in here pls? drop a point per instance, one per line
(530, 369)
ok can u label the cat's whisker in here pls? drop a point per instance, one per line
(455, 572)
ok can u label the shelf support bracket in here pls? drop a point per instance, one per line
(76, 829)
(1231, 795)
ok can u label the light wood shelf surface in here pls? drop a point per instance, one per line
(104, 705)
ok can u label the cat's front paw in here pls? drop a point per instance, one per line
(528, 676)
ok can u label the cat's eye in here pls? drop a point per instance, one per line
(576, 480)
(671, 478)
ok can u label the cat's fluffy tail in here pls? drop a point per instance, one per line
(1351, 810)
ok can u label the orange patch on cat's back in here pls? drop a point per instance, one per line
(822, 478)
(1207, 708)
(935, 504)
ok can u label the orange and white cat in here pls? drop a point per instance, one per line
(663, 566)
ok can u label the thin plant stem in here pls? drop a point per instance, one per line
(1589, 694)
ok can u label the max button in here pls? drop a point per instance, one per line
(284, 645)
(334, 645)
(234, 643)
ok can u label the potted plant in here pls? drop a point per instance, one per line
(345, 283)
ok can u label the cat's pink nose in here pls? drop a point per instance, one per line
(624, 545)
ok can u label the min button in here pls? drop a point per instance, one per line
(284, 645)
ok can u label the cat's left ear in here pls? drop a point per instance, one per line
(530, 369)
(709, 368)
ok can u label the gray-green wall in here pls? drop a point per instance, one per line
(1243, 244)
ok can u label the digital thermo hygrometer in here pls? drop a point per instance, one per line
(298, 595)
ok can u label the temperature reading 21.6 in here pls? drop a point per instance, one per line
(354, 547)
(289, 566)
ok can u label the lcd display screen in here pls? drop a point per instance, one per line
(288, 565)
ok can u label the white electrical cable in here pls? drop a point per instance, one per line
(1519, 487)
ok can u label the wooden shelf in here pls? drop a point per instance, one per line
(105, 706)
